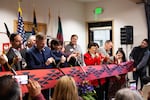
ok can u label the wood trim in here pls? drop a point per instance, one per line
(137, 1)
(42, 27)
(99, 21)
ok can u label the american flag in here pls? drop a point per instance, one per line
(20, 28)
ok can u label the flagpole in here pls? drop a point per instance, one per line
(50, 23)
(49, 15)
(19, 1)
(59, 12)
(33, 4)
(20, 27)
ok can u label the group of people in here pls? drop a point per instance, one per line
(36, 55)
(65, 89)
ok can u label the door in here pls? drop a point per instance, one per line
(99, 32)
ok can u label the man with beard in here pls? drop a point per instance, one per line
(140, 55)
(14, 55)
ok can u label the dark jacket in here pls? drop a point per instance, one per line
(10, 55)
(57, 56)
(140, 57)
(36, 59)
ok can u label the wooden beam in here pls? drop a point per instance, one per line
(137, 1)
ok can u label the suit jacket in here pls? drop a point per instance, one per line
(36, 59)
(140, 57)
(57, 56)
(10, 55)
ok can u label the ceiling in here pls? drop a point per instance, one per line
(87, 0)
(136, 1)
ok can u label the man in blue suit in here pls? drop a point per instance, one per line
(39, 56)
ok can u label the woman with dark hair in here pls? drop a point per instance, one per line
(60, 59)
(119, 81)
(94, 58)
(120, 56)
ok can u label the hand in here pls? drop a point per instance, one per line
(3, 59)
(63, 59)
(73, 55)
(134, 69)
(34, 88)
(16, 59)
(78, 54)
(118, 77)
(106, 58)
(97, 54)
(49, 61)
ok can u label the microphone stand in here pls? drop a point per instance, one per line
(57, 66)
(81, 67)
(106, 66)
(11, 69)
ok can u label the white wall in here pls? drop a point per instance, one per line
(122, 12)
(74, 15)
(71, 13)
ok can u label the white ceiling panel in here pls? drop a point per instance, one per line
(87, 0)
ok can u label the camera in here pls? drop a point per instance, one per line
(21, 79)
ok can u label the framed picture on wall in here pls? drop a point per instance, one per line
(42, 27)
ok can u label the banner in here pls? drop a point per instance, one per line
(48, 77)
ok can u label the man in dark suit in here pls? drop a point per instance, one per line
(30, 42)
(13, 55)
(39, 56)
(140, 55)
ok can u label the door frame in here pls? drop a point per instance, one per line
(100, 24)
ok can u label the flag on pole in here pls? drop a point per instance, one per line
(20, 29)
(7, 31)
(34, 28)
(49, 16)
(50, 23)
(60, 33)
